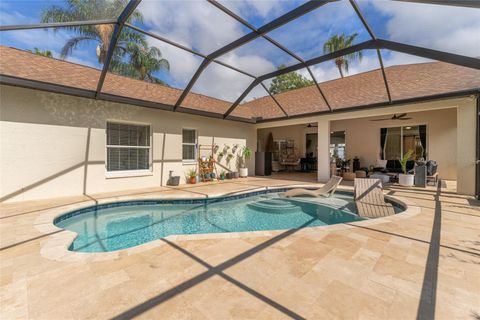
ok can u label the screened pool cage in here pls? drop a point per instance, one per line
(225, 68)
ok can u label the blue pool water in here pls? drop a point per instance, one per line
(123, 225)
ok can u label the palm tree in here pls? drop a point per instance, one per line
(142, 62)
(45, 53)
(86, 10)
(338, 42)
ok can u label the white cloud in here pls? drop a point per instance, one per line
(221, 82)
(183, 64)
(48, 40)
(251, 63)
(11, 18)
(447, 28)
(307, 34)
(260, 12)
(196, 24)
(203, 27)
(328, 70)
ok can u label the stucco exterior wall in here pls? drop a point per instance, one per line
(54, 145)
(362, 138)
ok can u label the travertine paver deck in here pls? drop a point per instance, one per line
(424, 265)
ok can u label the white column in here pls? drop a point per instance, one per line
(323, 157)
(466, 148)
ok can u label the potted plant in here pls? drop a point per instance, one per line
(405, 179)
(222, 175)
(192, 176)
(246, 155)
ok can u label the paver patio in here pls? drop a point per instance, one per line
(421, 265)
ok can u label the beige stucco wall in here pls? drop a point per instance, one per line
(362, 138)
(53, 145)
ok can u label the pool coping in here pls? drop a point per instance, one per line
(56, 246)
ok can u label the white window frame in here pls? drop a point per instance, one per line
(194, 144)
(129, 173)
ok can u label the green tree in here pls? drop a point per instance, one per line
(288, 81)
(142, 62)
(132, 56)
(45, 53)
(87, 10)
(338, 42)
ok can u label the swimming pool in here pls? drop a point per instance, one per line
(120, 225)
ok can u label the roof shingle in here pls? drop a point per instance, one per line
(405, 81)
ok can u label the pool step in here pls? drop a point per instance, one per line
(274, 206)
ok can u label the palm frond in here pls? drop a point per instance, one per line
(72, 44)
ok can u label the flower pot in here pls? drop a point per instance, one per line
(235, 175)
(193, 180)
(222, 177)
(406, 180)
(229, 175)
(243, 172)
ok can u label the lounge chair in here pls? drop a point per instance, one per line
(326, 190)
(370, 200)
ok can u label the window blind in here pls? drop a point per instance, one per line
(128, 147)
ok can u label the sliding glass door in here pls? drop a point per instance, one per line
(396, 141)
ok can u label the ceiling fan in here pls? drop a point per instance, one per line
(401, 116)
(312, 125)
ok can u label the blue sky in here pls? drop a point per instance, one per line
(201, 26)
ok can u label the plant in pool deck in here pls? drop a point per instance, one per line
(404, 160)
(346, 164)
(246, 155)
(222, 175)
(406, 179)
(192, 175)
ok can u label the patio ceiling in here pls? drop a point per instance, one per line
(214, 74)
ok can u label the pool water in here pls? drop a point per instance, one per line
(105, 228)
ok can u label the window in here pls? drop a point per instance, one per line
(128, 147)
(189, 144)
(396, 141)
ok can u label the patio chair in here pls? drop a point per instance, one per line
(369, 199)
(326, 190)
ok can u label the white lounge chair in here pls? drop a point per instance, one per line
(326, 190)
(370, 200)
